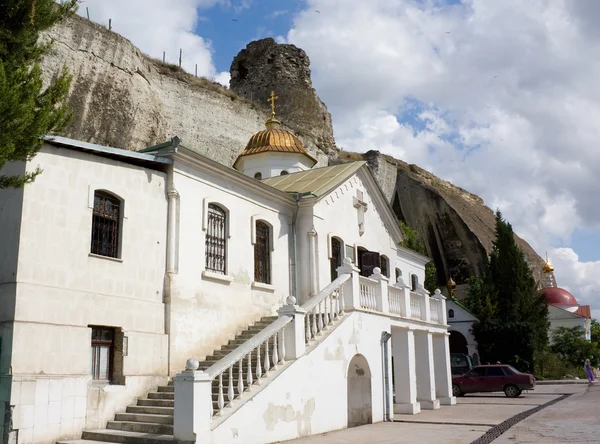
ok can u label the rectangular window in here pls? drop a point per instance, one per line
(103, 342)
(216, 239)
(106, 220)
(262, 254)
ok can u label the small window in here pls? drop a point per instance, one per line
(336, 257)
(102, 353)
(414, 282)
(283, 173)
(495, 371)
(398, 273)
(106, 225)
(383, 262)
(262, 253)
(450, 314)
(258, 176)
(216, 239)
(476, 372)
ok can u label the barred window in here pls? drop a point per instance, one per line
(336, 257)
(216, 239)
(106, 221)
(414, 282)
(262, 254)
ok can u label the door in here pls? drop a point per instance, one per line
(495, 379)
(474, 381)
(368, 260)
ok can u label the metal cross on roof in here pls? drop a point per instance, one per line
(271, 100)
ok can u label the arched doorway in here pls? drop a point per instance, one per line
(458, 343)
(360, 405)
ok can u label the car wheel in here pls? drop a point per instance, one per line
(456, 391)
(512, 391)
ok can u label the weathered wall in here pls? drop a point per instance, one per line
(124, 99)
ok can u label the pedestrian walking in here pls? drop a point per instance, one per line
(588, 371)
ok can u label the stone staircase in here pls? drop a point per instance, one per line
(151, 420)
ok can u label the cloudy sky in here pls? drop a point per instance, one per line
(499, 97)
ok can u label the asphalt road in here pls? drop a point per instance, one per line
(572, 420)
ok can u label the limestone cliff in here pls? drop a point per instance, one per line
(125, 99)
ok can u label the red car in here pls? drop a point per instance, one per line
(493, 378)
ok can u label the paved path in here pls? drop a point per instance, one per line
(461, 424)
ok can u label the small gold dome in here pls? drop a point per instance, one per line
(548, 268)
(451, 284)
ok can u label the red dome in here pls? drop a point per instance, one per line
(559, 296)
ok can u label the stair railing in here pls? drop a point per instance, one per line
(250, 362)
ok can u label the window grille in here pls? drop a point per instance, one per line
(414, 282)
(216, 239)
(262, 254)
(102, 353)
(106, 219)
(336, 257)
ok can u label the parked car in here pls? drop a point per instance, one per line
(493, 378)
(460, 363)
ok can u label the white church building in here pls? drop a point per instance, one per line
(159, 295)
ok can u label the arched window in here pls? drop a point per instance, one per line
(450, 314)
(258, 176)
(398, 274)
(414, 282)
(262, 253)
(384, 266)
(283, 173)
(216, 239)
(336, 256)
(106, 225)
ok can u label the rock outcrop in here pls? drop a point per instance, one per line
(125, 99)
(266, 66)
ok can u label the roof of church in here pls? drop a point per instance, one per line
(584, 310)
(318, 181)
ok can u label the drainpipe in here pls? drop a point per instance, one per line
(172, 246)
(294, 285)
(387, 408)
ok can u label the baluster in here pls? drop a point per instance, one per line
(307, 325)
(314, 322)
(258, 365)
(326, 311)
(220, 400)
(240, 386)
(249, 373)
(282, 346)
(274, 354)
(230, 392)
(331, 309)
(320, 319)
(267, 360)
(340, 301)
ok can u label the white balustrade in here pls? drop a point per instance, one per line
(415, 305)
(268, 348)
(368, 291)
(324, 308)
(434, 307)
(396, 300)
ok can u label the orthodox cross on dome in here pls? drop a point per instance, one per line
(271, 100)
(361, 207)
(549, 279)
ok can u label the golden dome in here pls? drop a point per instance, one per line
(451, 284)
(273, 139)
(548, 268)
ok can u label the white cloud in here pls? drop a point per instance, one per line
(155, 26)
(506, 96)
(223, 78)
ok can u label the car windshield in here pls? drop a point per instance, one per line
(514, 370)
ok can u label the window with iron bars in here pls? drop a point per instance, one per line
(106, 220)
(216, 239)
(262, 254)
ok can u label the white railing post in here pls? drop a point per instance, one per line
(443, 314)
(405, 301)
(193, 404)
(352, 286)
(425, 306)
(381, 291)
(293, 333)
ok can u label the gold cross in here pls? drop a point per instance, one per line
(271, 100)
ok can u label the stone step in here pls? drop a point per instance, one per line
(166, 388)
(145, 417)
(141, 427)
(161, 395)
(156, 402)
(124, 437)
(150, 410)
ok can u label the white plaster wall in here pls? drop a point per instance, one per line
(271, 164)
(310, 396)
(561, 318)
(335, 216)
(205, 312)
(62, 290)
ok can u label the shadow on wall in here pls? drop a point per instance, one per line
(360, 408)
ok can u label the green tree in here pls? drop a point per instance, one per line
(513, 316)
(595, 331)
(27, 110)
(413, 240)
(570, 344)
